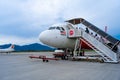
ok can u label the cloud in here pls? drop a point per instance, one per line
(23, 19)
(43, 12)
(5, 39)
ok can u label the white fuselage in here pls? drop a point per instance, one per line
(54, 38)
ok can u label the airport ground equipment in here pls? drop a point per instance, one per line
(63, 56)
(44, 58)
(108, 52)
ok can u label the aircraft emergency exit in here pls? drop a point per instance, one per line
(7, 50)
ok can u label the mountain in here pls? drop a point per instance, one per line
(30, 47)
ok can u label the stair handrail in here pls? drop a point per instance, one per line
(108, 52)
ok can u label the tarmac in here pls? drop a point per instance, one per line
(18, 66)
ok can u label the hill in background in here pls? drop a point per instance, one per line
(30, 47)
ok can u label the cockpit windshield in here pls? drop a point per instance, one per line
(62, 29)
(51, 28)
(57, 28)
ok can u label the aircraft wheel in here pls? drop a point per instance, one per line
(43, 60)
(47, 60)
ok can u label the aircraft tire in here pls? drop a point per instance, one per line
(47, 60)
(43, 60)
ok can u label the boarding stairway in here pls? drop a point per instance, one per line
(107, 53)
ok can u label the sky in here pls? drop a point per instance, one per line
(21, 21)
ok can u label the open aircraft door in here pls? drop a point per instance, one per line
(70, 30)
(71, 33)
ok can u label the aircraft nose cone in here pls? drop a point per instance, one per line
(43, 37)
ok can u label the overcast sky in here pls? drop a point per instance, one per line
(21, 21)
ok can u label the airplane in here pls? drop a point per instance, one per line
(56, 36)
(71, 39)
(7, 50)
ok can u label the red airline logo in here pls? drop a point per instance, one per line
(71, 32)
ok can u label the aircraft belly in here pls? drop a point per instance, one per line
(63, 42)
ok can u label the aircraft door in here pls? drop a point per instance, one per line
(70, 31)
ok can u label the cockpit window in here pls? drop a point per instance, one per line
(57, 28)
(51, 28)
(62, 28)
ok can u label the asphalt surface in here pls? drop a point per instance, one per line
(17, 66)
